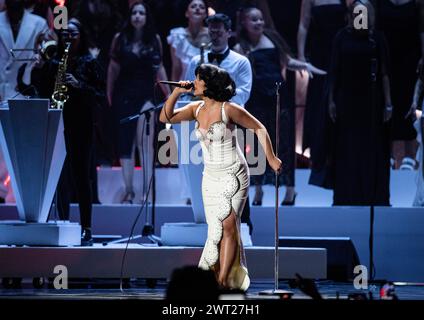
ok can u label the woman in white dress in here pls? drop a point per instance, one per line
(226, 175)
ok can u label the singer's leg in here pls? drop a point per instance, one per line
(228, 248)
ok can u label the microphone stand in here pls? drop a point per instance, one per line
(137, 115)
(374, 64)
(148, 229)
(277, 292)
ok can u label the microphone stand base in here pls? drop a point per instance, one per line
(148, 232)
(283, 294)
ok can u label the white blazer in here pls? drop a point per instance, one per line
(31, 26)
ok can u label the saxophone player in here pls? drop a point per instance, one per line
(80, 74)
(86, 87)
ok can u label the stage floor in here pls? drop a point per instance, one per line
(398, 231)
(107, 290)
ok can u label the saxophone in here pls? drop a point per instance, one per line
(60, 93)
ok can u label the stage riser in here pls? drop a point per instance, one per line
(151, 262)
(111, 188)
(398, 242)
(40, 234)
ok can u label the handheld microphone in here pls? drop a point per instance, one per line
(177, 84)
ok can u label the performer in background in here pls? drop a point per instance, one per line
(319, 23)
(102, 21)
(360, 107)
(19, 29)
(399, 20)
(270, 58)
(41, 8)
(134, 67)
(86, 87)
(226, 175)
(186, 43)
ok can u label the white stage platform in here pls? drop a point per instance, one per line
(111, 188)
(39, 234)
(398, 241)
(399, 230)
(145, 261)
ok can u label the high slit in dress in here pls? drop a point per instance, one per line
(225, 187)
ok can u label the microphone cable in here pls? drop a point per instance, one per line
(143, 205)
(146, 197)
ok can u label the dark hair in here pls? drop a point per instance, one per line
(243, 38)
(183, 6)
(15, 10)
(220, 18)
(186, 4)
(219, 84)
(149, 30)
(106, 16)
(83, 41)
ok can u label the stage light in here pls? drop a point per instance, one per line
(60, 3)
(387, 292)
(248, 148)
(7, 181)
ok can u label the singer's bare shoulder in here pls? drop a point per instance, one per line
(186, 113)
(193, 106)
(232, 108)
(239, 115)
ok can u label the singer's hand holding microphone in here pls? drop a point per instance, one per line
(180, 86)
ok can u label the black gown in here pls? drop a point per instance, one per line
(326, 21)
(133, 88)
(361, 155)
(262, 104)
(400, 24)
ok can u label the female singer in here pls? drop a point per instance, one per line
(226, 176)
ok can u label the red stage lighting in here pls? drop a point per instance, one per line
(60, 3)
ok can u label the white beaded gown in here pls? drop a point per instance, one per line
(225, 187)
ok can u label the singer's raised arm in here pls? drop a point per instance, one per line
(169, 115)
